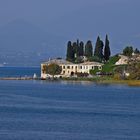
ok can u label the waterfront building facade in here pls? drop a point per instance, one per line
(70, 69)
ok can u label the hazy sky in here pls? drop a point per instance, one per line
(83, 19)
(49, 11)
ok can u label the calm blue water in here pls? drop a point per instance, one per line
(38, 110)
(19, 71)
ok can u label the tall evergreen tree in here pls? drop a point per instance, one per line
(75, 49)
(98, 52)
(88, 49)
(97, 45)
(70, 52)
(81, 48)
(77, 42)
(107, 51)
(101, 56)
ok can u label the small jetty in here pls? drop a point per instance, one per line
(19, 78)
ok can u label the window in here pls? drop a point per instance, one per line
(63, 67)
(100, 67)
(93, 67)
(75, 67)
(80, 67)
(96, 67)
(63, 72)
(68, 67)
(72, 67)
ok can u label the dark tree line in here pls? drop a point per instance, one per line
(129, 50)
(78, 49)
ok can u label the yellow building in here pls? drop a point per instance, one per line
(70, 69)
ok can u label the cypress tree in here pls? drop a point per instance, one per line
(97, 45)
(98, 52)
(77, 42)
(88, 49)
(101, 56)
(75, 49)
(81, 48)
(107, 52)
(70, 52)
(78, 49)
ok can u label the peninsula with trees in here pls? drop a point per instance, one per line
(86, 61)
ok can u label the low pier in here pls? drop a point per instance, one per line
(18, 78)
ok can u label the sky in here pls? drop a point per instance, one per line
(78, 19)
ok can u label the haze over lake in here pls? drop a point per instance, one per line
(32, 31)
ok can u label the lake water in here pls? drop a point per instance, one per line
(39, 110)
(19, 71)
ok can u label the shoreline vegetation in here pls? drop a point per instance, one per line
(98, 80)
(106, 81)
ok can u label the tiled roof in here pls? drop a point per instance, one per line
(91, 63)
(58, 61)
(64, 62)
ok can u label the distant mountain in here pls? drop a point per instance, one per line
(22, 36)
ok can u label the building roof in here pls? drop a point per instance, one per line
(58, 61)
(64, 62)
(91, 63)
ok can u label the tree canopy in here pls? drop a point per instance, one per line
(98, 52)
(107, 52)
(128, 51)
(70, 52)
(76, 50)
(136, 51)
(81, 48)
(53, 69)
(88, 49)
